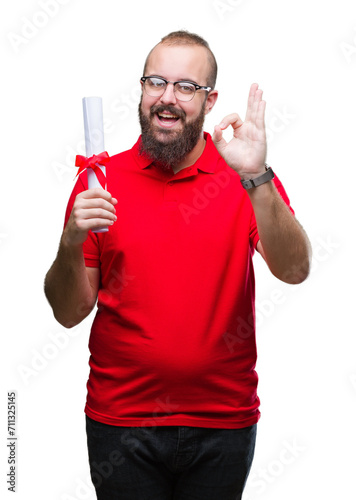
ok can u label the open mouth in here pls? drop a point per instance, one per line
(167, 119)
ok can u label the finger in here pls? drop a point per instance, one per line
(97, 193)
(84, 225)
(250, 101)
(96, 213)
(218, 138)
(217, 135)
(260, 118)
(233, 119)
(87, 203)
(255, 105)
(79, 215)
(77, 227)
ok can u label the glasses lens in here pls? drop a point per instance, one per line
(155, 86)
(184, 91)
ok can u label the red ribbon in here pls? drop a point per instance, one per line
(93, 162)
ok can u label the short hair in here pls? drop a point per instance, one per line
(183, 37)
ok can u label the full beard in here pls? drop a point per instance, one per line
(176, 145)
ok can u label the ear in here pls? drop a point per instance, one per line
(210, 101)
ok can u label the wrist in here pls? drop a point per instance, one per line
(70, 245)
(262, 195)
(246, 175)
(254, 181)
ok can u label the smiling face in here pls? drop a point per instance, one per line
(172, 130)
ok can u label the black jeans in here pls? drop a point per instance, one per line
(169, 462)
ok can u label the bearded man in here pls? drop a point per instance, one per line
(172, 405)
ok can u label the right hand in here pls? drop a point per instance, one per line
(92, 209)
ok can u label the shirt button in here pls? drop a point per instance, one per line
(170, 183)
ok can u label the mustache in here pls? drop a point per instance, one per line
(170, 109)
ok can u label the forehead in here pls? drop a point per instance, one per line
(177, 62)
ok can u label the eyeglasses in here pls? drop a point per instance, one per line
(184, 91)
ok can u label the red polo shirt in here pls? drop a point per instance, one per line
(173, 340)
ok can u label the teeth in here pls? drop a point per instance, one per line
(167, 116)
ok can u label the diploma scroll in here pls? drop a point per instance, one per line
(94, 139)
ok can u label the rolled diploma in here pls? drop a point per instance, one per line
(94, 138)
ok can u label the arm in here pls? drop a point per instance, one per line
(283, 243)
(70, 287)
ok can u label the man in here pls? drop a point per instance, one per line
(172, 406)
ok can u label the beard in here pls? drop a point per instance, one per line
(175, 146)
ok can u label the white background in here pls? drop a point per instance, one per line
(303, 55)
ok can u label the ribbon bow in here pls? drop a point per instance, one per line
(93, 162)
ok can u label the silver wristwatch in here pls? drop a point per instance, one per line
(261, 179)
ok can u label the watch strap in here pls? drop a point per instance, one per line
(261, 179)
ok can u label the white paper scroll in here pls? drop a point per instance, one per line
(94, 138)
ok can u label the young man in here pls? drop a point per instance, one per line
(172, 405)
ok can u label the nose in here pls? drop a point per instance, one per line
(168, 97)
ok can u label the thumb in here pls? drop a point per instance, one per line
(218, 139)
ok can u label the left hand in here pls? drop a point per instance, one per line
(246, 152)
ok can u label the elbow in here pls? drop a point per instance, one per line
(294, 277)
(298, 272)
(65, 320)
(72, 317)
(68, 312)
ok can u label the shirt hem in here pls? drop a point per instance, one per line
(181, 420)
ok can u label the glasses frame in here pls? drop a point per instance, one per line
(196, 86)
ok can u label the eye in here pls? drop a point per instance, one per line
(156, 83)
(185, 87)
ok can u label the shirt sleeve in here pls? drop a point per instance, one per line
(254, 237)
(91, 245)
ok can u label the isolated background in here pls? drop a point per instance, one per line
(303, 55)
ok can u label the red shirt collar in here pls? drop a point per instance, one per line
(207, 161)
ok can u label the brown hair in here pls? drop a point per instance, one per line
(184, 37)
